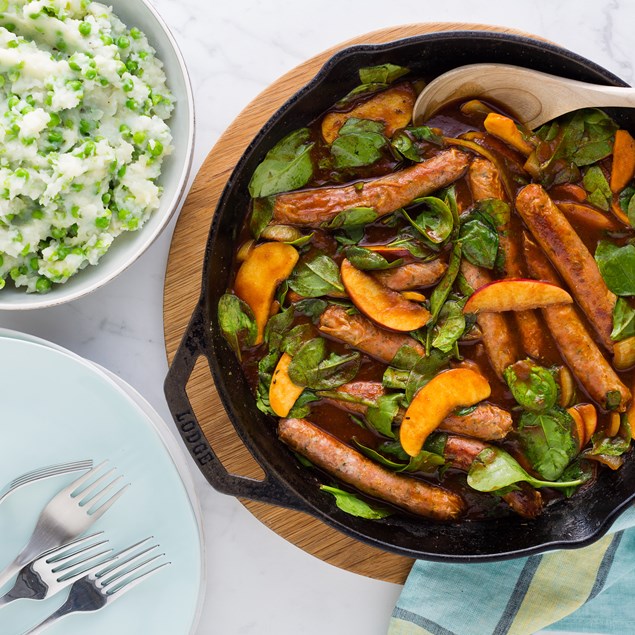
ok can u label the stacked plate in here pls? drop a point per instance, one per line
(57, 407)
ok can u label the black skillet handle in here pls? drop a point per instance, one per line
(271, 489)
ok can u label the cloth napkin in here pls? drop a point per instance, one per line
(588, 590)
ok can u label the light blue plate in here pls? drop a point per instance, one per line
(54, 408)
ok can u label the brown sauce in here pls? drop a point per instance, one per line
(452, 122)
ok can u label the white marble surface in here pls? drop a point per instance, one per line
(258, 583)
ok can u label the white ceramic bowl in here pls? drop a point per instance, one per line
(174, 175)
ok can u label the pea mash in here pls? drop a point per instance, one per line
(83, 133)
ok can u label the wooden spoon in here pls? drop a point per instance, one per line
(533, 97)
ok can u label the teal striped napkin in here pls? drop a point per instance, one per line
(588, 590)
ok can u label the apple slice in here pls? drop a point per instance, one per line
(624, 353)
(283, 393)
(383, 305)
(266, 266)
(451, 389)
(515, 294)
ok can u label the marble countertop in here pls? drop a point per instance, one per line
(257, 582)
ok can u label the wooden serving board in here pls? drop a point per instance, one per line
(182, 288)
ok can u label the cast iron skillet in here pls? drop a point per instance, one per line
(569, 524)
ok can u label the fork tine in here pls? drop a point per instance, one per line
(130, 583)
(79, 569)
(70, 549)
(50, 470)
(57, 552)
(85, 494)
(113, 573)
(78, 557)
(77, 483)
(98, 512)
(116, 561)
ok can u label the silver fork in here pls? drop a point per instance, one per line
(68, 515)
(42, 473)
(57, 569)
(97, 590)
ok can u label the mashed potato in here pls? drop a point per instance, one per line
(83, 105)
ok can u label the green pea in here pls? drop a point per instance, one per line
(121, 172)
(90, 73)
(1, 260)
(75, 211)
(34, 263)
(77, 187)
(102, 222)
(2, 283)
(12, 44)
(2, 81)
(21, 173)
(55, 137)
(85, 28)
(131, 104)
(106, 39)
(75, 84)
(127, 85)
(132, 66)
(139, 137)
(156, 148)
(123, 42)
(58, 232)
(105, 198)
(135, 34)
(38, 214)
(43, 285)
(74, 66)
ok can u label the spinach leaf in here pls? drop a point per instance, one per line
(302, 406)
(354, 217)
(276, 327)
(425, 461)
(366, 259)
(442, 290)
(532, 386)
(494, 469)
(579, 470)
(449, 327)
(547, 441)
(479, 240)
(261, 215)
(296, 337)
(316, 276)
(617, 266)
(359, 143)
(395, 378)
(599, 192)
(355, 506)
(405, 142)
(360, 92)
(266, 366)
(495, 211)
(311, 307)
(381, 416)
(626, 201)
(311, 367)
(623, 320)
(612, 446)
(406, 240)
(436, 222)
(287, 166)
(587, 137)
(237, 322)
(382, 74)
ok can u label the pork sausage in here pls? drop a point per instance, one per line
(412, 276)
(564, 248)
(575, 343)
(461, 452)
(484, 182)
(497, 338)
(352, 467)
(313, 207)
(360, 333)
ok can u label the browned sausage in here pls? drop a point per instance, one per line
(576, 345)
(485, 421)
(412, 276)
(485, 183)
(484, 180)
(553, 232)
(312, 208)
(360, 333)
(461, 452)
(497, 338)
(349, 466)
